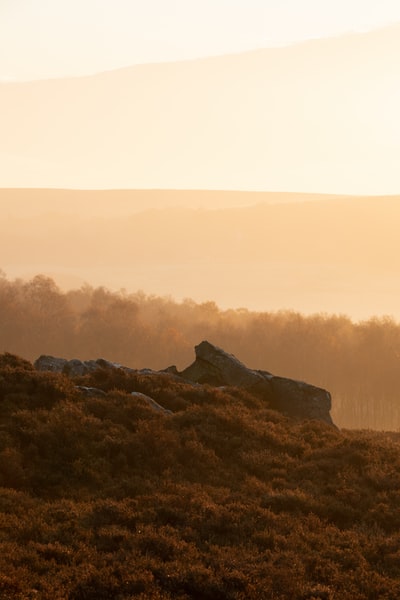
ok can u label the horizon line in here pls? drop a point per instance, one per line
(199, 190)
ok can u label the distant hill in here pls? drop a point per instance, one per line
(317, 116)
(22, 202)
(327, 254)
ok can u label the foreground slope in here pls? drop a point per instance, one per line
(103, 497)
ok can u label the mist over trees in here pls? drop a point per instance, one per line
(357, 362)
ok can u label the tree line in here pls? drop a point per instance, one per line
(358, 362)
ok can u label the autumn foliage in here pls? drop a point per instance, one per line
(102, 497)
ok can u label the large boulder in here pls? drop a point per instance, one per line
(217, 367)
(50, 363)
(300, 400)
(294, 398)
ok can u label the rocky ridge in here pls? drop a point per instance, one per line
(213, 366)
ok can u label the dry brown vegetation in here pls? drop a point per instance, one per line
(357, 362)
(104, 498)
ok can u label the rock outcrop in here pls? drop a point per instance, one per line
(214, 366)
(50, 363)
(294, 398)
(74, 367)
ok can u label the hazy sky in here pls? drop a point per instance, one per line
(54, 38)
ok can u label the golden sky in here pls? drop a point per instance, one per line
(56, 38)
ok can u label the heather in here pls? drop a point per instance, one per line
(103, 497)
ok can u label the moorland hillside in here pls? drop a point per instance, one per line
(103, 497)
(357, 362)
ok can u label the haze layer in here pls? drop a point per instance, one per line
(329, 254)
(320, 116)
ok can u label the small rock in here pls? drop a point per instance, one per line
(152, 403)
(91, 392)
